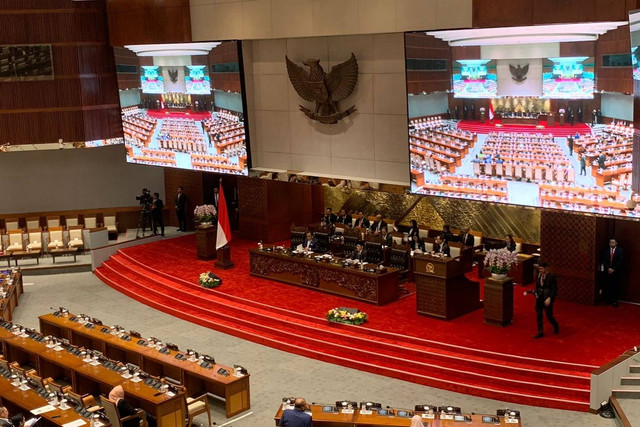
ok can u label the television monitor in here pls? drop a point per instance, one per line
(197, 80)
(187, 109)
(475, 78)
(568, 78)
(151, 79)
(634, 62)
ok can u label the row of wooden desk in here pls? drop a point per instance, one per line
(11, 287)
(233, 389)
(85, 378)
(354, 418)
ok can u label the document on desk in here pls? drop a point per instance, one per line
(76, 423)
(31, 422)
(43, 409)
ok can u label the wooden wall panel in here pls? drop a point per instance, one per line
(225, 53)
(571, 244)
(192, 183)
(148, 21)
(507, 13)
(619, 79)
(422, 46)
(626, 233)
(578, 49)
(124, 56)
(465, 52)
(84, 85)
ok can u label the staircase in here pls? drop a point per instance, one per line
(496, 376)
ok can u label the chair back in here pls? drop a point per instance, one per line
(428, 244)
(399, 259)
(397, 238)
(35, 240)
(109, 221)
(323, 241)
(11, 224)
(56, 238)
(350, 242)
(111, 410)
(71, 221)
(373, 251)
(90, 222)
(423, 233)
(16, 237)
(477, 237)
(455, 249)
(75, 234)
(518, 241)
(53, 221)
(297, 236)
(33, 223)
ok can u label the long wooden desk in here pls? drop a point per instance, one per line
(95, 380)
(17, 400)
(234, 390)
(442, 290)
(338, 419)
(375, 288)
(11, 287)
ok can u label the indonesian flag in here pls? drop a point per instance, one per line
(491, 114)
(224, 229)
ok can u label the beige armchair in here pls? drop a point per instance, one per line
(90, 222)
(75, 238)
(33, 223)
(35, 241)
(16, 241)
(111, 224)
(56, 238)
(111, 409)
(71, 221)
(196, 406)
(53, 221)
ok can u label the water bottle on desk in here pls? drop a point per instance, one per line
(260, 245)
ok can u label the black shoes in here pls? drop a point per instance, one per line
(538, 335)
(556, 330)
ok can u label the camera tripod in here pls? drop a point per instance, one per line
(145, 215)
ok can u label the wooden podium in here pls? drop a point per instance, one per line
(443, 291)
(498, 301)
(206, 242)
(551, 120)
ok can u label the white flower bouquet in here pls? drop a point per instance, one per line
(205, 213)
(209, 280)
(500, 261)
(342, 315)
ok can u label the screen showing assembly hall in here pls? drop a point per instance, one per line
(183, 106)
(533, 116)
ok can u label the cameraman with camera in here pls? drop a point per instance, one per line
(145, 210)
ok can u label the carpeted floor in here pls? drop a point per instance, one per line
(557, 131)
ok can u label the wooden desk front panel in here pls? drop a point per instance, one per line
(194, 377)
(348, 282)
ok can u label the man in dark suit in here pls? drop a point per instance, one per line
(378, 225)
(466, 238)
(4, 417)
(570, 144)
(362, 222)
(311, 244)
(298, 416)
(602, 161)
(156, 214)
(180, 203)
(441, 247)
(545, 293)
(329, 216)
(447, 235)
(387, 240)
(359, 253)
(612, 259)
(344, 218)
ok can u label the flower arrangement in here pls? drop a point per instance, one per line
(343, 315)
(500, 261)
(208, 280)
(205, 213)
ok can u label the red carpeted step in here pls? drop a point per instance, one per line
(492, 357)
(410, 351)
(291, 343)
(408, 366)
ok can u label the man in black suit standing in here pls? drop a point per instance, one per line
(344, 218)
(156, 214)
(180, 203)
(612, 259)
(545, 293)
(447, 235)
(378, 225)
(570, 144)
(466, 238)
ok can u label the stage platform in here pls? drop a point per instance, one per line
(463, 355)
(556, 131)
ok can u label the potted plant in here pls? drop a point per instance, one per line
(205, 215)
(499, 262)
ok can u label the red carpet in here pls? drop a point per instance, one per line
(166, 114)
(557, 131)
(463, 355)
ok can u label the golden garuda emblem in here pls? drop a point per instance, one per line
(325, 89)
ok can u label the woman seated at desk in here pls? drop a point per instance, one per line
(125, 409)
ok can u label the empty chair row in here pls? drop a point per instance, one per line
(44, 223)
(38, 241)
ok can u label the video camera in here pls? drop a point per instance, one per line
(144, 199)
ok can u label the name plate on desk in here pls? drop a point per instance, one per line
(43, 409)
(511, 420)
(429, 416)
(446, 416)
(365, 412)
(347, 411)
